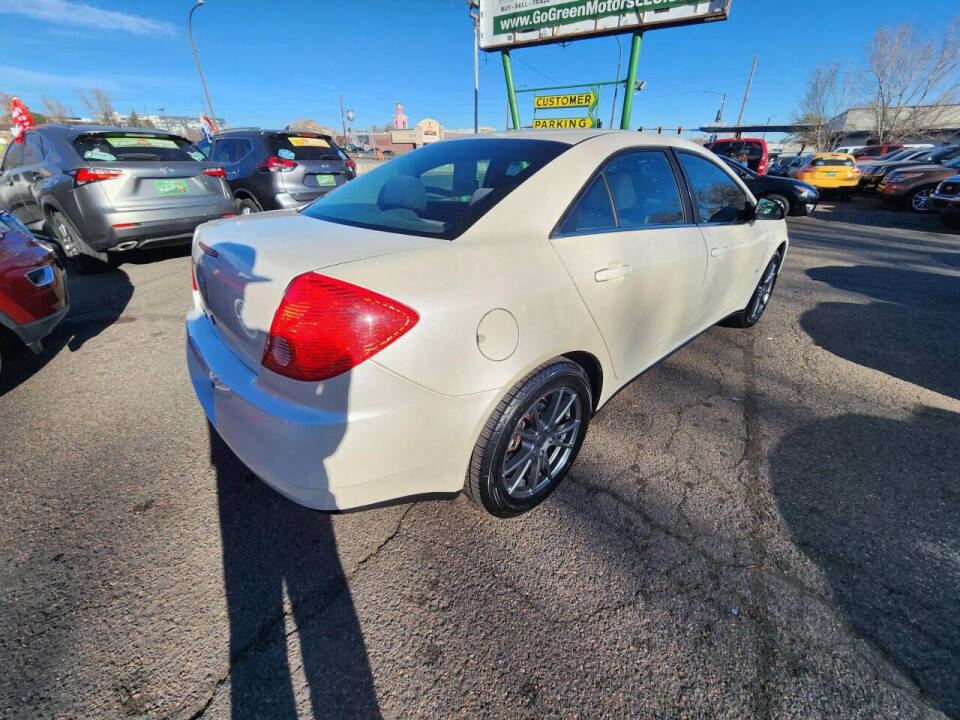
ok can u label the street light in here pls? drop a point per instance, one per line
(475, 14)
(206, 92)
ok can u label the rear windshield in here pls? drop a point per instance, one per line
(303, 147)
(833, 162)
(114, 146)
(439, 190)
(753, 148)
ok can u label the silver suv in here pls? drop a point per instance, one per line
(101, 191)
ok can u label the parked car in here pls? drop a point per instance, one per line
(847, 149)
(758, 157)
(276, 169)
(462, 311)
(33, 289)
(100, 191)
(831, 172)
(875, 151)
(794, 196)
(946, 199)
(871, 173)
(912, 186)
(781, 166)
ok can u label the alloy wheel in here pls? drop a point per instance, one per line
(761, 296)
(921, 199)
(542, 443)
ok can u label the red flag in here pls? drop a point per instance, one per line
(20, 117)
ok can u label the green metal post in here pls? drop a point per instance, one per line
(631, 81)
(511, 92)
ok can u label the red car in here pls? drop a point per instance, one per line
(758, 156)
(875, 151)
(33, 289)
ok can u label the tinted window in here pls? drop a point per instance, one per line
(438, 190)
(302, 147)
(753, 148)
(14, 156)
(592, 211)
(223, 150)
(133, 147)
(32, 149)
(644, 190)
(718, 198)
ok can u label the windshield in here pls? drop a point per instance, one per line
(833, 162)
(439, 190)
(114, 146)
(896, 155)
(303, 147)
(955, 163)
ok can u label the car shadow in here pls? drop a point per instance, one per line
(96, 303)
(894, 333)
(871, 501)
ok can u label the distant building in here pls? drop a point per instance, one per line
(858, 126)
(185, 125)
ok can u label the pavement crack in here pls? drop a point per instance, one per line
(320, 600)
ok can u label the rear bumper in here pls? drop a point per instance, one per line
(100, 232)
(285, 201)
(32, 334)
(362, 438)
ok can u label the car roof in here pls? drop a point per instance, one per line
(74, 129)
(833, 154)
(574, 137)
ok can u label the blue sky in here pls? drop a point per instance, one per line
(268, 63)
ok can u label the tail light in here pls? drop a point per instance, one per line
(215, 172)
(762, 167)
(89, 175)
(325, 327)
(193, 275)
(351, 164)
(277, 164)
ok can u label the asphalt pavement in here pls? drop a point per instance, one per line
(766, 525)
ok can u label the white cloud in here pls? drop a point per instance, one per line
(74, 14)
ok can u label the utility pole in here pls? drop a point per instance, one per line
(616, 87)
(747, 93)
(213, 116)
(343, 120)
(474, 13)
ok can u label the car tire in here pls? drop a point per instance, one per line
(918, 200)
(531, 439)
(751, 314)
(781, 201)
(66, 235)
(247, 206)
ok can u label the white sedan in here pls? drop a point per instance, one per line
(452, 320)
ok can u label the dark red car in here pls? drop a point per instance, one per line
(755, 149)
(33, 289)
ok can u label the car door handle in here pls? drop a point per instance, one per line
(718, 252)
(612, 273)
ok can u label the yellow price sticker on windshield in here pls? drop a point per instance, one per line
(308, 142)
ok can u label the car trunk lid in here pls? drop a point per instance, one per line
(244, 265)
(320, 166)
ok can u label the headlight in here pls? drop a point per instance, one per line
(805, 192)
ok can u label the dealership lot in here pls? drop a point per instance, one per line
(765, 525)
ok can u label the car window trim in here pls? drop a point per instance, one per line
(684, 201)
(689, 186)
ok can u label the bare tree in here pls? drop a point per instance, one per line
(99, 105)
(56, 110)
(911, 81)
(819, 106)
(305, 124)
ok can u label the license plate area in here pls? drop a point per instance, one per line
(171, 187)
(325, 180)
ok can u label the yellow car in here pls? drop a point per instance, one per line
(831, 171)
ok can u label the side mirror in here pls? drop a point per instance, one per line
(768, 210)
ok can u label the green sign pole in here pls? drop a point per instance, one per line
(631, 81)
(511, 92)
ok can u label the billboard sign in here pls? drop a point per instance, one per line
(514, 23)
(577, 123)
(569, 100)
